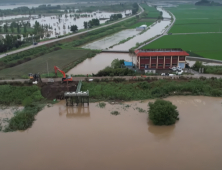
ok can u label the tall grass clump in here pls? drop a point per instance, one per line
(28, 96)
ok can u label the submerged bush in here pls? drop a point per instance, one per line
(102, 105)
(115, 113)
(163, 112)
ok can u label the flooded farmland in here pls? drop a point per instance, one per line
(106, 42)
(66, 138)
(99, 62)
(157, 28)
(61, 25)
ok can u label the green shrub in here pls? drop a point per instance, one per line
(115, 113)
(140, 109)
(104, 80)
(163, 112)
(144, 85)
(119, 79)
(102, 104)
(96, 80)
(216, 92)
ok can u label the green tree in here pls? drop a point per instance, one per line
(18, 28)
(5, 27)
(163, 112)
(198, 64)
(25, 29)
(74, 28)
(85, 24)
(116, 63)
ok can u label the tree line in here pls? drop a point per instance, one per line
(115, 17)
(91, 23)
(135, 8)
(28, 11)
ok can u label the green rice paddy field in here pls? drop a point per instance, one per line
(191, 18)
(194, 19)
(152, 12)
(59, 58)
(205, 45)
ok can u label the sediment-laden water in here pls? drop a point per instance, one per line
(99, 62)
(92, 138)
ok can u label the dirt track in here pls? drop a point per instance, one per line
(54, 90)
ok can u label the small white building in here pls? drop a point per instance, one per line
(141, 28)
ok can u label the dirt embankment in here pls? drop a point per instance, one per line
(56, 89)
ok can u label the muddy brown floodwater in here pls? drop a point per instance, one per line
(93, 139)
(99, 62)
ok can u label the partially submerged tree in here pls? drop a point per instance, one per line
(74, 28)
(163, 112)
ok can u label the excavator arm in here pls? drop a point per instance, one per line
(63, 73)
(64, 79)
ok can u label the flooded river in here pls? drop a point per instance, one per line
(87, 139)
(99, 62)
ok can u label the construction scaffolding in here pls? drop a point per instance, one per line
(77, 97)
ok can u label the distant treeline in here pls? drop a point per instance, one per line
(28, 11)
(207, 3)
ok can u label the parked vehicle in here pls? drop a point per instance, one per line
(35, 43)
(180, 72)
(171, 75)
(179, 68)
(164, 74)
(174, 68)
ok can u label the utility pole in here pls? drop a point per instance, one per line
(47, 68)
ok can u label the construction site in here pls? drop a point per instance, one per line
(65, 89)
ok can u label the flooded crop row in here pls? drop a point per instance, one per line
(91, 138)
(106, 42)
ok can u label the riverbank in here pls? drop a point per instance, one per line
(118, 89)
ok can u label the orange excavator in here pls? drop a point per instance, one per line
(65, 78)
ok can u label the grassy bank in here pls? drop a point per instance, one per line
(142, 90)
(28, 96)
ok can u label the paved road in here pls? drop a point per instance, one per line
(163, 34)
(73, 35)
(126, 77)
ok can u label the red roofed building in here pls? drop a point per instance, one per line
(160, 58)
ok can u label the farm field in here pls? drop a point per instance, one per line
(59, 58)
(191, 18)
(152, 12)
(205, 45)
